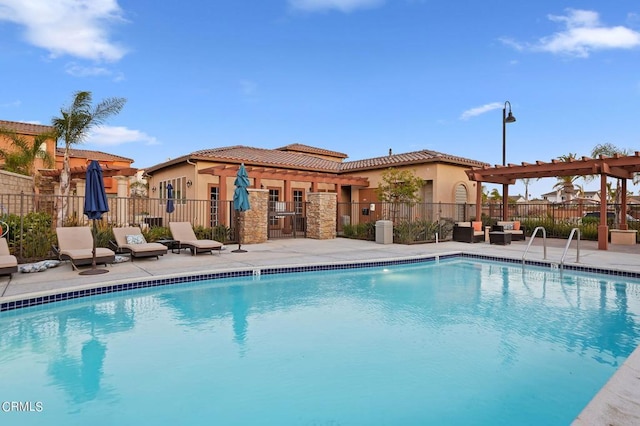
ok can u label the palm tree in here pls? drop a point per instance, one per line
(494, 195)
(526, 182)
(72, 128)
(22, 159)
(566, 183)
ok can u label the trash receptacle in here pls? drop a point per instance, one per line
(384, 232)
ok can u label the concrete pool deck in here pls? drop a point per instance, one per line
(618, 403)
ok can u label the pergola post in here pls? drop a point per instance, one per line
(478, 200)
(603, 227)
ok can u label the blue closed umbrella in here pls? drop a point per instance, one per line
(170, 205)
(241, 199)
(95, 199)
(95, 205)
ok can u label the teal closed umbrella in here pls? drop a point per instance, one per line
(241, 200)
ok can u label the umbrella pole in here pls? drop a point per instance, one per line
(239, 249)
(94, 270)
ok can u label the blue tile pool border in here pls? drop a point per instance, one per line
(115, 288)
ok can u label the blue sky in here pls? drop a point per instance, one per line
(355, 76)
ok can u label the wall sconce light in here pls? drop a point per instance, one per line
(154, 189)
(189, 183)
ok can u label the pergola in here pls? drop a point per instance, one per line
(617, 166)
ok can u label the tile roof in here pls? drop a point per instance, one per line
(298, 147)
(267, 157)
(299, 161)
(93, 155)
(25, 128)
(416, 157)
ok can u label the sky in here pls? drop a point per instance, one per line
(355, 76)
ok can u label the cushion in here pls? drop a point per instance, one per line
(38, 266)
(465, 224)
(516, 225)
(135, 239)
(477, 226)
(508, 226)
(120, 259)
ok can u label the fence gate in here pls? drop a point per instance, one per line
(287, 219)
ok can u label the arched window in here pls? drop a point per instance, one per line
(461, 201)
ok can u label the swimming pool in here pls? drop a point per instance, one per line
(452, 342)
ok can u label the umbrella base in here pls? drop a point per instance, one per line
(94, 272)
(238, 251)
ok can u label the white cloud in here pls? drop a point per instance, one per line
(79, 28)
(582, 34)
(118, 135)
(480, 110)
(13, 104)
(78, 70)
(345, 6)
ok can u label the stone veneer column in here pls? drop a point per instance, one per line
(321, 215)
(254, 223)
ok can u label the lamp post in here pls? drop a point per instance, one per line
(505, 119)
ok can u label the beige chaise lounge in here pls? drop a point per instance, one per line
(183, 232)
(75, 243)
(129, 239)
(8, 262)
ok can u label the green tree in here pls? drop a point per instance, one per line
(72, 128)
(22, 158)
(494, 195)
(609, 150)
(399, 187)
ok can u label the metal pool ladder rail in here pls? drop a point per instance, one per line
(533, 236)
(566, 248)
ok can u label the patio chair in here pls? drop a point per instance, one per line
(129, 239)
(75, 243)
(8, 262)
(183, 232)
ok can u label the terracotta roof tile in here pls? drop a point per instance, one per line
(268, 157)
(407, 158)
(93, 155)
(25, 128)
(298, 147)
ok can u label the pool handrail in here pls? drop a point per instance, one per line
(566, 247)
(533, 236)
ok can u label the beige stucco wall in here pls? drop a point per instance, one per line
(445, 177)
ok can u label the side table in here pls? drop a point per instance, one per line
(502, 238)
(173, 245)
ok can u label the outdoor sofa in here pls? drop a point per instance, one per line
(468, 232)
(511, 227)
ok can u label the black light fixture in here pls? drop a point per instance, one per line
(153, 189)
(506, 118)
(189, 183)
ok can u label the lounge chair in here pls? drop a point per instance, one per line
(75, 243)
(129, 239)
(183, 232)
(8, 262)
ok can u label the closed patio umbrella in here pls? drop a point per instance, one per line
(170, 202)
(241, 200)
(95, 205)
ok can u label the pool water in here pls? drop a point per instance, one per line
(449, 343)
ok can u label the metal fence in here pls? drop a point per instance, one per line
(122, 210)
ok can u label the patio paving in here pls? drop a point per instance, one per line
(617, 403)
